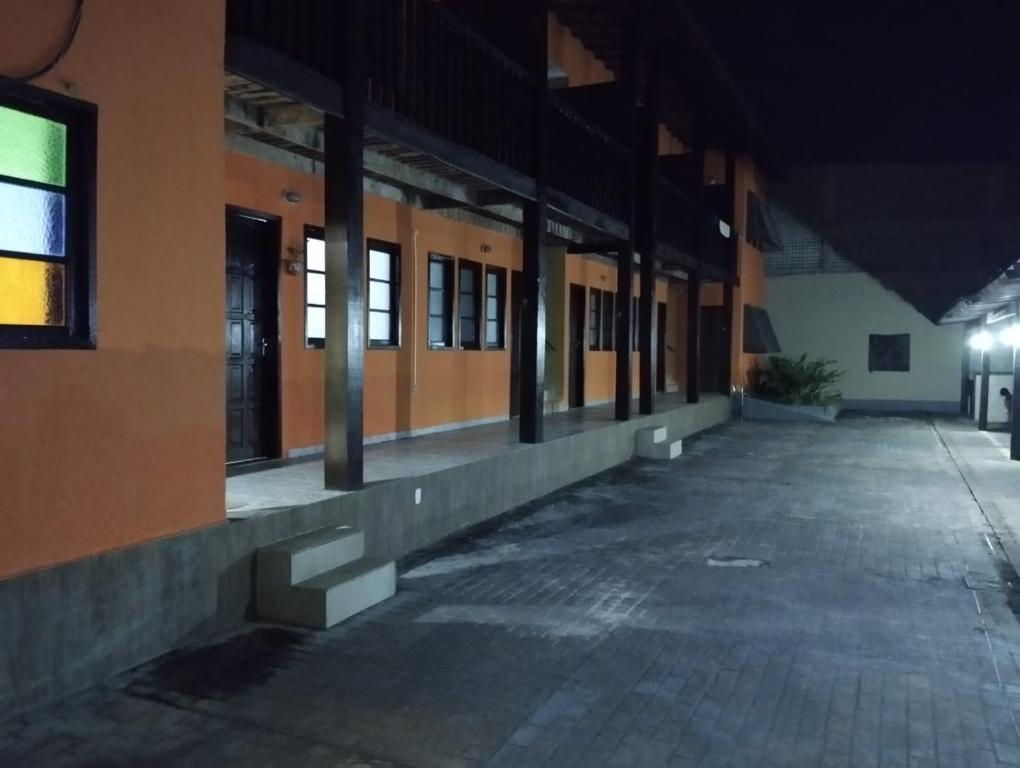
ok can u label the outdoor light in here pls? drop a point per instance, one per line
(982, 341)
(1010, 336)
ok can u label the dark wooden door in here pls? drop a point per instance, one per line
(578, 318)
(712, 349)
(516, 279)
(660, 349)
(251, 337)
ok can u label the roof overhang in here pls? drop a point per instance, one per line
(995, 296)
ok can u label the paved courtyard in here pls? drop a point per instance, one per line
(782, 595)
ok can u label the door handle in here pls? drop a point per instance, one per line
(265, 346)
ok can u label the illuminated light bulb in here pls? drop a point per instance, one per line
(1010, 336)
(982, 341)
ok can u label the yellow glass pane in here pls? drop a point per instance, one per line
(31, 292)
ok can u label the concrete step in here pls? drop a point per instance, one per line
(329, 598)
(298, 559)
(663, 451)
(649, 436)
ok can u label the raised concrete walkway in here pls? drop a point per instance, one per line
(68, 626)
(253, 494)
(781, 595)
(992, 478)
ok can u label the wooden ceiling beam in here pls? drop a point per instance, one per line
(291, 115)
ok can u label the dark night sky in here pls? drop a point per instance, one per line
(892, 81)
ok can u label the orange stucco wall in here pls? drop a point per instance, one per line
(584, 68)
(750, 267)
(600, 367)
(104, 448)
(412, 387)
(581, 66)
(407, 388)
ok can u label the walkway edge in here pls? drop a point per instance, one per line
(993, 480)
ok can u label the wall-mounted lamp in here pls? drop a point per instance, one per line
(291, 196)
(981, 341)
(294, 265)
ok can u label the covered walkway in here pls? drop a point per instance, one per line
(301, 482)
(782, 595)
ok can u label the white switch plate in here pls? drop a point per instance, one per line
(417, 496)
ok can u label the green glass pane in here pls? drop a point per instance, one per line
(32, 148)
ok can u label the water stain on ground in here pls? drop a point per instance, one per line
(219, 670)
(1011, 584)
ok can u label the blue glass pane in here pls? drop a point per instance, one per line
(31, 220)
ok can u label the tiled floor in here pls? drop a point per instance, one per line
(782, 595)
(260, 493)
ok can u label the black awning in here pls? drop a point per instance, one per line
(759, 338)
(762, 231)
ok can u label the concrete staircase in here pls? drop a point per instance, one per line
(320, 578)
(653, 443)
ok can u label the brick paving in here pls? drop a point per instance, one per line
(782, 595)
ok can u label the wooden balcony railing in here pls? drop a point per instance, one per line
(306, 31)
(586, 163)
(691, 229)
(427, 66)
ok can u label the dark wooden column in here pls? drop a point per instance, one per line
(624, 288)
(693, 336)
(986, 366)
(536, 216)
(345, 268)
(647, 187)
(729, 337)
(1014, 430)
(625, 256)
(965, 378)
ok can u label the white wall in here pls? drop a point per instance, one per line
(832, 315)
(997, 413)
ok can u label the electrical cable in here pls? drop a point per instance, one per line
(72, 31)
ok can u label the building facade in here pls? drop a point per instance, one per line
(246, 231)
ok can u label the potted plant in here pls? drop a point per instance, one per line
(795, 388)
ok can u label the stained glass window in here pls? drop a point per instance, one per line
(31, 292)
(33, 148)
(31, 220)
(45, 222)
